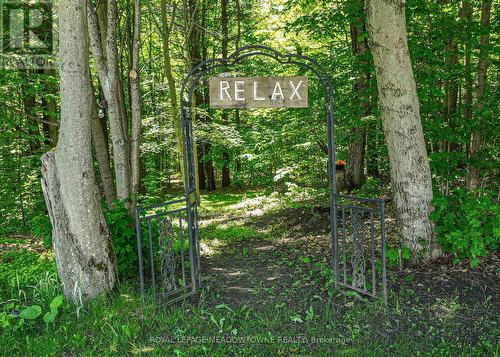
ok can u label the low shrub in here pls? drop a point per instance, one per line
(121, 228)
(42, 228)
(467, 224)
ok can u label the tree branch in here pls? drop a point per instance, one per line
(29, 116)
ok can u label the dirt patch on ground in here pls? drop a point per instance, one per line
(451, 301)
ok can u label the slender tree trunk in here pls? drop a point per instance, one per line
(135, 98)
(81, 241)
(29, 105)
(226, 178)
(475, 142)
(101, 150)
(106, 61)
(174, 104)
(51, 89)
(237, 46)
(194, 41)
(467, 13)
(452, 85)
(357, 142)
(399, 108)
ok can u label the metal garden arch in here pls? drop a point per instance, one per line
(352, 212)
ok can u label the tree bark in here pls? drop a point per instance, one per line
(51, 89)
(135, 98)
(174, 105)
(81, 241)
(106, 61)
(101, 151)
(194, 36)
(467, 13)
(475, 142)
(226, 178)
(357, 141)
(399, 109)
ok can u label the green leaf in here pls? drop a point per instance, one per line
(50, 316)
(56, 302)
(31, 312)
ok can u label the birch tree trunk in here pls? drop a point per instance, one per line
(399, 109)
(106, 62)
(475, 143)
(135, 98)
(81, 241)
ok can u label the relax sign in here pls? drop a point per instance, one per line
(258, 92)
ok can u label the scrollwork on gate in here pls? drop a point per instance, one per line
(358, 251)
(167, 255)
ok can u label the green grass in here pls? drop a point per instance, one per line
(229, 234)
(308, 319)
(21, 268)
(8, 240)
(116, 327)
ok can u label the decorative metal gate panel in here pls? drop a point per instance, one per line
(171, 262)
(175, 284)
(359, 259)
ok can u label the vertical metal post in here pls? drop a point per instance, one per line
(332, 179)
(372, 234)
(181, 243)
(382, 233)
(344, 257)
(139, 251)
(152, 257)
(197, 240)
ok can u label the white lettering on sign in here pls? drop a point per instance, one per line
(258, 92)
(224, 86)
(277, 91)
(295, 90)
(255, 96)
(238, 90)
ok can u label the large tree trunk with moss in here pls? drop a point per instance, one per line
(81, 242)
(399, 109)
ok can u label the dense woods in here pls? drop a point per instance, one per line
(416, 103)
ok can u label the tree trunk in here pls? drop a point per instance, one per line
(399, 109)
(237, 111)
(106, 61)
(81, 241)
(135, 98)
(357, 141)
(100, 145)
(194, 51)
(226, 178)
(174, 105)
(475, 143)
(51, 88)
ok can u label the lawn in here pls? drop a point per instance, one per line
(267, 290)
